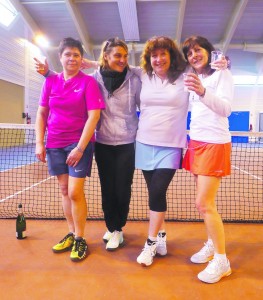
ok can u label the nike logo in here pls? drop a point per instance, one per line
(76, 91)
(78, 170)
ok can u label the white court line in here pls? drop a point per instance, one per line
(243, 171)
(26, 189)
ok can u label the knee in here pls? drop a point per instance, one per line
(64, 190)
(76, 195)
(205, 208)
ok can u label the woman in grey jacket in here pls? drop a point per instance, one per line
(115, 136)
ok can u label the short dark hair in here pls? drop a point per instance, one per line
(70, 43)
(178, 63)
(194, 40)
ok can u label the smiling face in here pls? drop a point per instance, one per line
(71, 60)
(160, 62)
(198, 58)
(116, 59)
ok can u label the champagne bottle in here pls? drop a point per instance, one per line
(20, 224)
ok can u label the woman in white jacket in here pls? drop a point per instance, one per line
(209, 149)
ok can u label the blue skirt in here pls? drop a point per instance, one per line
(149, 157)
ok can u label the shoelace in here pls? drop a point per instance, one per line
(214, 266)
(206, 248)
(65, 238)
(148, 248)
(79, 246)
(115, 236)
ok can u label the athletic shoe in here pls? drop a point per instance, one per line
(79, 250)
(107, 236)
(115, 241)
(148, 253)
(215, 270)
(65, 244)
(161, 248)
(205, 254)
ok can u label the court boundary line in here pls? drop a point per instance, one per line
(243, 171)
(25, 189)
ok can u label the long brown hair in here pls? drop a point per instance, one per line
(178, 63)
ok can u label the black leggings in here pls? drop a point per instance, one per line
(157, 183)
(116, 168)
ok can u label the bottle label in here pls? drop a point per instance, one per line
(21, 235)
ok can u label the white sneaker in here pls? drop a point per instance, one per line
(215, 270)
(107, 236)
(204, 255)
(115, 241)
(161, 248)
(147, 255)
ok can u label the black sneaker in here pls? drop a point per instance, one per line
(79, 250)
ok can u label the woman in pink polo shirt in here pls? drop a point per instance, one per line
(69, 109)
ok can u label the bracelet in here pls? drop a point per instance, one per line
(46, 75)
(79, 149)
(202, 96)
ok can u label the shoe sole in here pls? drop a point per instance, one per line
(203, 261)
(160, 255)
(63, 250)
(79, 259)
(144, 265)
(229, 272)
(113, 249)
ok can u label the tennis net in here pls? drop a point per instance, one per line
(25, 180)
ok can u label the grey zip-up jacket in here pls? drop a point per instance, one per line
(118, 121)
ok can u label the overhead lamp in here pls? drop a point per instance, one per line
(41, 41)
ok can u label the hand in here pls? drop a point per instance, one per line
(220, 64)
(40, 152)
(88, 64)
(194, 84)
(74, 157)
(41, 68)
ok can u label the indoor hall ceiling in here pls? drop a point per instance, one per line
(234, 26)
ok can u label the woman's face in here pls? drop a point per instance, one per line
(198, 58)
(117, 59)
(71, 60)
(160, 62)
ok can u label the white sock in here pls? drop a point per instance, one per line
(210, 242)
(221, 257)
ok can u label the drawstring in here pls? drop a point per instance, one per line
(129, 95)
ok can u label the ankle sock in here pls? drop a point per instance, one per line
(221, 257)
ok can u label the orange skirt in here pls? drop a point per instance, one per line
(208, 159)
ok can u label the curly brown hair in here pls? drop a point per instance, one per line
(178, 64)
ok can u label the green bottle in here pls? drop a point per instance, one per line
(20, 224)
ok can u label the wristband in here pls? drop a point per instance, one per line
(79, 149)
(46, 75)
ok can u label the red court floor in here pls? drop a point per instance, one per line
(30, 270)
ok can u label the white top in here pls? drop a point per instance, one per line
(164, 108)
(209, 122)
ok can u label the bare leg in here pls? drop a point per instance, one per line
(66, 202)
(207, 187)
(78, 204)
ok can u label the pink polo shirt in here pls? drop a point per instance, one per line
(69, 102)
